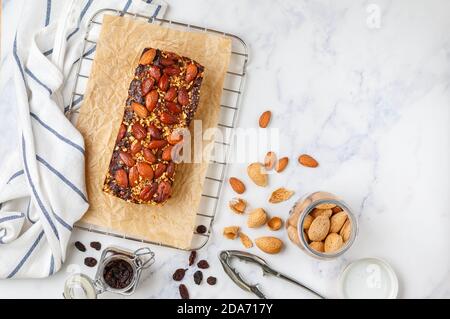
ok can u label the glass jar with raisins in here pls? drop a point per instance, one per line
(322, 224)
(119, 271)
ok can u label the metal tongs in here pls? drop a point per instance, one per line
(225, 257)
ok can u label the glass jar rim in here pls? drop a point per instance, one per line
(309, 209)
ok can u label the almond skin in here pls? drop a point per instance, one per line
(256, 218)
(257, 174)
(270, 245)
(237, 185)
(337, 221)
(269, 160)
(245, 240)
(281, 165)
(237, 205)
(264, 119)
(280, 195)
(333, 243)
(231, 232)
(319, 228)
(307, 161)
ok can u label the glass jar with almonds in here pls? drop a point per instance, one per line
(322, 224)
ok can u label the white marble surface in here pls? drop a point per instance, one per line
(370, 100)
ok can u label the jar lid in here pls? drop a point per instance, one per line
(79, 286)
(368, 278)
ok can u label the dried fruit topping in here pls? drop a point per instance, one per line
(133, 176)
(203, 264)
(198, 277)
(173, 107)
(164, 191)
(122, 132)
(149, 156)
(167, 153)
(96, 245)
(163, 83)
(147, 85)
(154, 132)
(183, 96)
(160, 169)
(166, 61)
(156, 144)
(138, 131)
(307, 161)
(171, 70)
(192, 257)
(178, 275)
(211, 280)
(170, 169)
(151, 100)
(171, 94)
(139, 109)
(237, 185)
(145, 170)
(184, 293)
(154, 72)
(90, 261)
(127, 159)
(168, 118)
(264, 119)
(136, 147)
(148, 191)
(121, 178)
(147, 57)
(80, 246)
(191, 72)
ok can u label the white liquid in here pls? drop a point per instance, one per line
(369, 279)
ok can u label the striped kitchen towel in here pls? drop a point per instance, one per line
(42, 184)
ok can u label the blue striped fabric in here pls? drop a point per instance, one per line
(52, 266)
(48, 12)
(27, 255)
(33, 188)
(83, 12)
(28, 212)
(9, 218)
(13, 176)
(62, 177)
(27, 71)
(63, 223)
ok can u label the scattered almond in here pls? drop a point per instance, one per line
(307, 161)
(269, 160)
(280, 195)
(237, 205)
(333, 243)
(256, 218)
(321, 212)
(231, 232)
(270, 245)
(317, 246)
(257, 174)
(237, 185)
(281, 164)
(307, 221)
(337, 221)
(264, 119)
(245, 240)
(346, 230)
(319, 228)
(275, 223)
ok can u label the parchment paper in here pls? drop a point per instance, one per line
(118, 49)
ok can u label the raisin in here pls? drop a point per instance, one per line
(96, 245)
(80, 246)
(192, 257)
(90, 261)
(211, 280)
(184, 293)
(203, 264)
(201, 229)
(178, 275)
(198, 277)
(118, 274)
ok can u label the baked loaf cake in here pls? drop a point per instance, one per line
(162, 99)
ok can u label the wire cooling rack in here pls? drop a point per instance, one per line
(229, 109)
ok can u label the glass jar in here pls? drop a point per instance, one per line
(128, 263)
(305, 206)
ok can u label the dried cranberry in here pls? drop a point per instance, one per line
(80, 246)
(198, 277)
(201, 229)
(184, 293)
(211, 280)
(96, 245)
(178, 275)
(192, 257)
(203, 264)
(90, 261)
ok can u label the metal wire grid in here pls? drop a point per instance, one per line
(232, 92)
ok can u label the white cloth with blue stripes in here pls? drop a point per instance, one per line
(42, 184)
